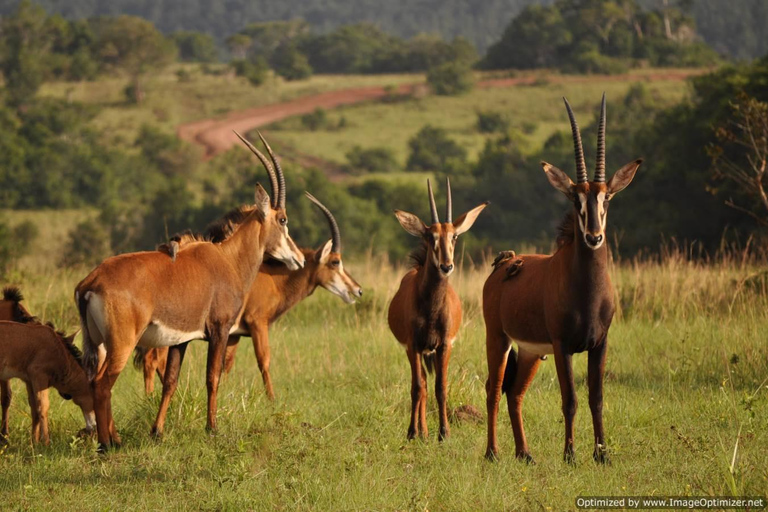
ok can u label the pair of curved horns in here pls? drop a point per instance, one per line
(335, 233)
(581, 166)
(276, 178)
(448, 204)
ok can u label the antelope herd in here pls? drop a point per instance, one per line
(246, 272)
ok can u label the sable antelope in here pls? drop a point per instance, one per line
(41, 363)
(147, 298)
(425, 313)
(275, 291)
(560, 304)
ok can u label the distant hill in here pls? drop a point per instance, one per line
(733, 27)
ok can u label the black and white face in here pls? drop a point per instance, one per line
(591, 199)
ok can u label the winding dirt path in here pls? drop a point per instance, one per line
(215, 135)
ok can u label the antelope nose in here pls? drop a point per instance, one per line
(359, 292)
(446, 268)
(594, 240)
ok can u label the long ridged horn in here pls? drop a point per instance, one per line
(335, 233)
(600, 165)
(432, 205)
(449, 202)
(278, 170)
(267, 166)
(581, 166)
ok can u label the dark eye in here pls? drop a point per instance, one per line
(283, 221)
(455, 237)
(335, 263)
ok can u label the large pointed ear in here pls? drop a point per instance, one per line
(411, 223)
(623, 177)
(322, 255)
(463, 223)
(262, 200)
(71, 337)
(559, 180)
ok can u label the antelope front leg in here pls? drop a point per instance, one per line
(564, 365)
(497, 349)
(38, 404)
(596, 371)
(260, 336)
(217, 349)
(5, 400)
(417, 392)
(442, 356)
(170, 382)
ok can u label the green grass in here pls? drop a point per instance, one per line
(676, 400)
(170, 102)
(391, 125)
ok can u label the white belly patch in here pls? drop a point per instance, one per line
(537, 349)
(157, 335)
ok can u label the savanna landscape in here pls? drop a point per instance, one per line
(108, 151)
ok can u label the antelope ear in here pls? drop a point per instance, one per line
(463, 223)
(71, 337)
(322, 255)
(411, 223)
(623, 177)
(262, 200)
(559, 180)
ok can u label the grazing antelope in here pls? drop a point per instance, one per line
(560, 304)
(149, 299)
(275, 291)
(38, 361)
(425, 313)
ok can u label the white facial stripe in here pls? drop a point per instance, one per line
(583, 212)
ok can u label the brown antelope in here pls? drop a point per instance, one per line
(41, 363)
(275, 291)
(560, 304)
(149, 299)
(425, 313)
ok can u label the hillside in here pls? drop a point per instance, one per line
(734, 27)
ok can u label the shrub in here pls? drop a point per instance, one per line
(491, 121)
(290, 63)
(451, 78)
(371, 160)
(87, 244)
(433, 150)
(255, 70)
(316, 120)
(15, 242)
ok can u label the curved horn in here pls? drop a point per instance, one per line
(600, 165)
(267, 166)
(432, 205)
(581, 166)
(278, 170)
(335, 233)
(449, 202)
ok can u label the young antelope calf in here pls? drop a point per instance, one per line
(425, 313)
(42, 358)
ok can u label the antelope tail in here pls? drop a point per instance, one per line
(510, 372)
(90, 351)
(429, 361)
(139, 353)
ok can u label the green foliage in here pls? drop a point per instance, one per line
(450, 78)
(87, 245)
(431, 149)
(492, 121)
(15, 242)
(366, 160)
(598, 36)
(290, 63)
(254, 70)
(195, 46)
(315, 120)
(25, 47)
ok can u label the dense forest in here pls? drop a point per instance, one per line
(733, 27)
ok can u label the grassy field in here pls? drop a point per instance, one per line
(171, 101)
(686, 410)
(535, 112)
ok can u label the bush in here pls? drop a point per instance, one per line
(316, 120)
(15, 242)
(491, 121)
(87, 244)
(433, 150)
(255, 71)
(290, 63)
(450, 78)
(371, 160)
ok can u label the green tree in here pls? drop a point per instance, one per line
(195, 46)
(451, 78)
(433, 150)
(135, 46)
(290, 63)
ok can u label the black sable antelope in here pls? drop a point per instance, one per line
(560, 304)
(425, 313)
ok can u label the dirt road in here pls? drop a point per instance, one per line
(216, 136)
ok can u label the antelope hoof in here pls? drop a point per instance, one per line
(569, 456)
(526, 457)
(492, 455)
(156, 433)
(4, 440)
(102, 449)
(211, 430)
(443, 434)
(601, 456)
